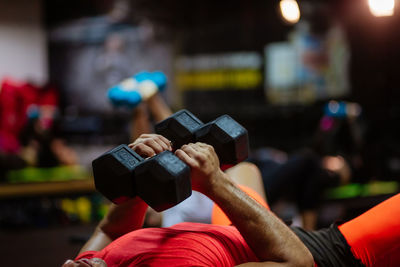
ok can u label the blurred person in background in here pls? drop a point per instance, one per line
(28, 128)
(42, 145)
(332, 160)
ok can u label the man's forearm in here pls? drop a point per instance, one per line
(119, 220)
(124, 218)
(268, 236)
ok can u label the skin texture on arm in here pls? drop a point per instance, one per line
(270, 239)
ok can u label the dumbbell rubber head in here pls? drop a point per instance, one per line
(113, 173)
(179, 128)
(163, 181)
(229, 139)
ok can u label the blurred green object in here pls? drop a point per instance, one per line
(363, 190)
(380, 188)
(344, 191)
(102, 210)
(61, 173)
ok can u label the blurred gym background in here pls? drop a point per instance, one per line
(315, 74)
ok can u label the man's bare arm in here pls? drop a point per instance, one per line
(270, 239)
(120, 219)
(129, 216)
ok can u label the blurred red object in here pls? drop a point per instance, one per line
(15, 99)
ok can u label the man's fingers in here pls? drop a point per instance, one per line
(131, 145)
(182, 155)
(203, 145)
(157, 142)
(144, 150)
(196, 152)
(163, 142)
(154, 145)
(202, 148)
(191, 150)
(148, 145)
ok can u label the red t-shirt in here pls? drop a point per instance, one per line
(184, 244)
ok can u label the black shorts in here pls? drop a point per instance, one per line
(328, 247)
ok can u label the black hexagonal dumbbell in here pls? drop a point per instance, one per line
(228, 137)
(161, 181)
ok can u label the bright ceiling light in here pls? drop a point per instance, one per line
(290, 10)
(381, 8)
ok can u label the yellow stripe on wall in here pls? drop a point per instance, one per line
(220, 79)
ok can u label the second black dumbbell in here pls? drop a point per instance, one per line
(228, 137)
(161, 181)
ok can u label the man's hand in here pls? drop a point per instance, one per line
(204, 165)
(148, 145)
